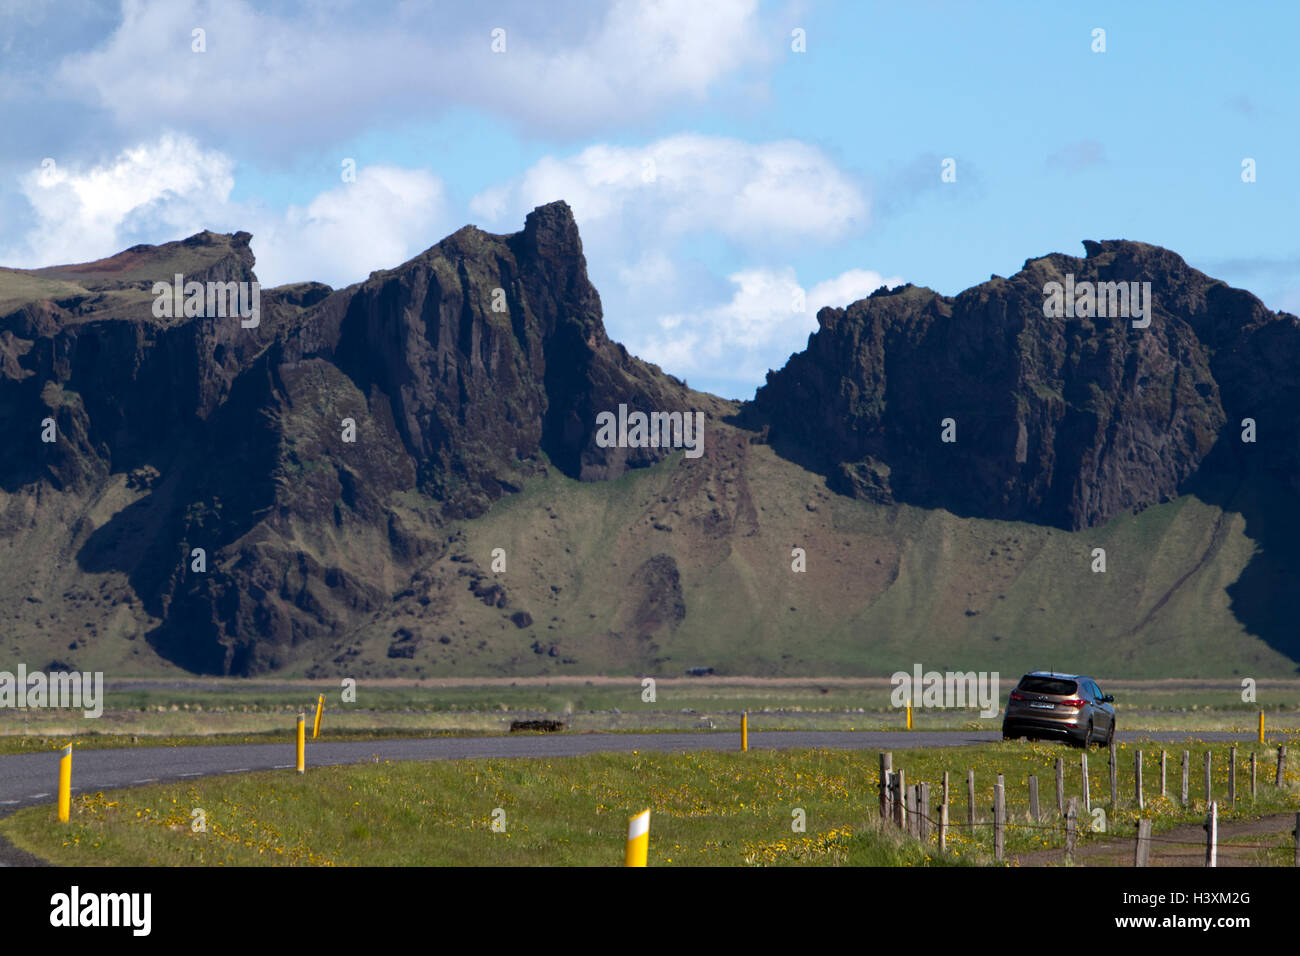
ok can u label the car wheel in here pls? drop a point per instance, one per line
(1087, 737)
(1009, 734)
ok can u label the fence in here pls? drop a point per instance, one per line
(908, 807)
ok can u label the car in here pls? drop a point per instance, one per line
(1072, 707)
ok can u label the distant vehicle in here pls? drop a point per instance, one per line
(699, 671)
(1069, 706)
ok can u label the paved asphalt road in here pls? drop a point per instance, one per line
(27, 779)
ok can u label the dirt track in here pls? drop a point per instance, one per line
(1184, 846)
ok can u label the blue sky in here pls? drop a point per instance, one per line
(718, 176)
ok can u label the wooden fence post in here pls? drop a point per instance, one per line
(1142, 851)
(943, 827)
(1137, 780)
(1232, 775)
(1162, 774)
(900, 800)
(1114, 777)
(1060, 785)
(1033, 798)
(886, 769)
(1208, 785)
(1087, 800)
(1212, 835)
(1187, 760)
(970, 801)
(945, 786)
(999, 817)
(1281, 766)
(1254, 783)
(923, 814)
(1297, 839)
(1071, 828)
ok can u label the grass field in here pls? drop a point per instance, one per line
(723, 809)
(236, 711)
(232, 711)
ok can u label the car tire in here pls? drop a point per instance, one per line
(1009, 734)
(1087, 737)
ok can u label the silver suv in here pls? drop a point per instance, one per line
(1068, 706)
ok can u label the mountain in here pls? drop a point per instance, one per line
(407, 476)
(1067, 421)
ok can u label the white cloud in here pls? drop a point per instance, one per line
(273, 74)
(650, 218)
(769, 315)
(761, 193)
(171, 188)
(388, 215)
(652, 269)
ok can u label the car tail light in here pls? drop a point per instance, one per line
(1016, 695)
(1073, 702)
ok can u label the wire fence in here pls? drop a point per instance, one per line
(908, 808)
(1063, 829)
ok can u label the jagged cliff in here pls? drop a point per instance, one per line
(322, 491)
(237, 439)
(1065, 421)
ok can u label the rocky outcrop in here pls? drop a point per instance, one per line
(1067, 421)
(245, 495)
(299, 466)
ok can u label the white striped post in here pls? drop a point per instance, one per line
(638, 840)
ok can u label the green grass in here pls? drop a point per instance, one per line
(35, 743)
(18, 288)
(234, 711)
(1018, 760)
(720, 809)
(886, 585)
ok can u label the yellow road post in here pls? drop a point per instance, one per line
(320, 707)
(302, 744)
(638, 840)
(744, 732)
(65, 784)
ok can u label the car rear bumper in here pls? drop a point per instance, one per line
(1066, 727)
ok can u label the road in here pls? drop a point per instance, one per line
(27, 779)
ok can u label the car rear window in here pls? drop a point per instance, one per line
(1048, 685)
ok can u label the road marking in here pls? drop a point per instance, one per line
(37, 796)
(8, 802)
(240, 770)
(146, 780)
(282, 766)
(195, 774)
